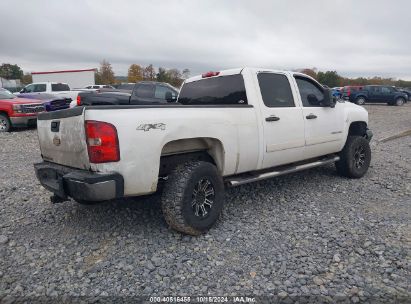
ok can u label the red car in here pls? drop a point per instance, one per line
(17, 112)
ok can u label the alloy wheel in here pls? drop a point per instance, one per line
(203, 198)
(359, 157)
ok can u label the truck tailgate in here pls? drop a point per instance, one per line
(62, 138)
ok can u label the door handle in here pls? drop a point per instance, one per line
(272, 118)
(311, 116)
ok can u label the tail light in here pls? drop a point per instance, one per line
(210, 74)
(102, 142)
(78, 100)
(348, 91)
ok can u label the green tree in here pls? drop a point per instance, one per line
(174, 77)
(11, 71)
(149, 73)
(106, 73)
(162, 75)
(97, 78)
(310, 72)
(135, 73)
(26, 79)
(329, 78)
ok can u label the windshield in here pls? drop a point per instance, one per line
(6, 95)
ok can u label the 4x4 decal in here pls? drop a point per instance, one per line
(148, 127)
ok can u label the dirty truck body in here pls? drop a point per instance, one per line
(248, 124)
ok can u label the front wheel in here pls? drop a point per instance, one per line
(360, 101)
(355, 157)
(5, 125)
(399, 101)
(193, 197)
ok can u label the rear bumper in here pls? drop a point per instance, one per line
(23, 121)
(79, 184)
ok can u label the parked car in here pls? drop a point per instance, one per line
(228, 128)
(346, 91)
(17, 112)
(99, 86)
(336, 92)
(5, 90)
(50, 102)
(143, 92)
(54, 88)
(378, 93)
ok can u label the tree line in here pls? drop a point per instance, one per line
(175, 77)
(137, 72)
(333, 79)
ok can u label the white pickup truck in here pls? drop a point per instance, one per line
(53, 88)
(228, 128)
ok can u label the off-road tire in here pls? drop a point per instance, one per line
(5, 124)
(178, 197)
(349, 157)
(399, 101)
(360, 100)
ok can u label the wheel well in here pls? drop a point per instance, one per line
(360, 96)
(357, 128)
(183, 150)
(5, 113)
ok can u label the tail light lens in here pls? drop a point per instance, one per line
(78, 100)
(102, 142)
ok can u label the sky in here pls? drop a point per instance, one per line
(353, 37)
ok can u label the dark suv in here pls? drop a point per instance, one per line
(377, 93)
(143, 92)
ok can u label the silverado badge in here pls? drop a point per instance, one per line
(147, 127)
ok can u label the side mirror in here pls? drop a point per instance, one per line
(169, 97)
(23, 90)
(329, 100)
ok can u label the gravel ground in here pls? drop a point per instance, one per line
(307, 234)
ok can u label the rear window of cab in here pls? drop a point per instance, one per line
(221, 90)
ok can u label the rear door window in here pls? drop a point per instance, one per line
(144, 90)
(275, 90)
(58, 87)
(223, 90)
(161, 91)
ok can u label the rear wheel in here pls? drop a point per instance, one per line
(5, 125)
(399, 101)
(193, 197)
(355, 157)
(360, 101)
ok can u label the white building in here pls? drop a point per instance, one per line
(74, 78)
(9, 83)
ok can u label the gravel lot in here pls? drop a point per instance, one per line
(311, 233)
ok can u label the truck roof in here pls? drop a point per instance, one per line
(46, 82)
(240, 70)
